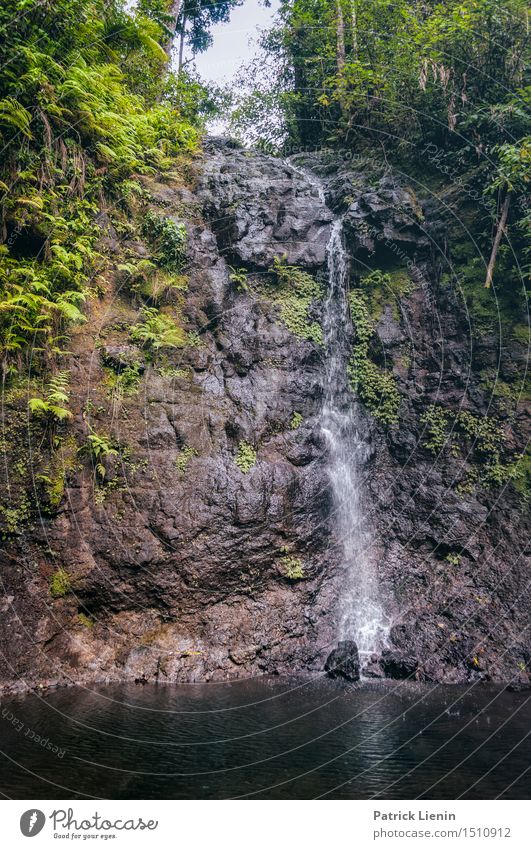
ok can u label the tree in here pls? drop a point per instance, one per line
(195, 19)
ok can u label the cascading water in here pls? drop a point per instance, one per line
(362, 618)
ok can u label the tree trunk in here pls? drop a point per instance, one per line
(340, 49)
(174, 11)
(181, 45)
(500, 230)
(354, 25)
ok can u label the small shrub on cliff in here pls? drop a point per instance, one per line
(60, 584)
(98, 448)
(238, 276)
(168, 238)
(125, 382)
(246, 457)
(435, 421)
(155, 330)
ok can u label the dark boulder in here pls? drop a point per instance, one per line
(398, 665)
(344, 662)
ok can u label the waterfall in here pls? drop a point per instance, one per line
(362, 618)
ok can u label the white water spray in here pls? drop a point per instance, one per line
(362, 618)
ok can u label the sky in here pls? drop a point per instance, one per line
(231, 41)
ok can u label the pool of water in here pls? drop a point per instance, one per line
(265, 738)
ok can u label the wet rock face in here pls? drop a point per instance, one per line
(344, 662)
(188, 566)
(259, 205)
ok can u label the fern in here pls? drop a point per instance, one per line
(54, 406)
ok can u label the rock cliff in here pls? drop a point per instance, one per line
(205, 545)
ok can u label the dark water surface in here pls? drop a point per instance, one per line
(268, 738)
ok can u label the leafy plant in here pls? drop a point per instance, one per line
(296, 421)
(294, 290)
(246, 457)
(125, 382)
(239, 277)
(99, 448)
(155, 330)
(54, 406)
(292, 568)
(168, 238)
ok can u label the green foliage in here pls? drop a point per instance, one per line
(416, 70)
(292, 568)
(435, 420)
(54, 406)
(156, 330)
(98, 448)
(168, 238)
(246, 457)
(84, 102)
(295, 291)
(384, 288)
(55, 472)
(147, 279)
(125, 382)
(375, 387)
(60, 584)
(185, 455)
(171, 372)
(435, 86)
(239, 277)
(484, 441)
(454, 559)
(16, 515)
(296, 421)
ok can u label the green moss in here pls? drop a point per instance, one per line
(60, 584)
(521, 333)
(292, 568)
(295, 291)
(85, 620)
(246, 457)
(55, 474)
(481, 439)
(296, 421)
(171, 372)
(385, 287)
(494, 311)
(182, 461)
(375, 387)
